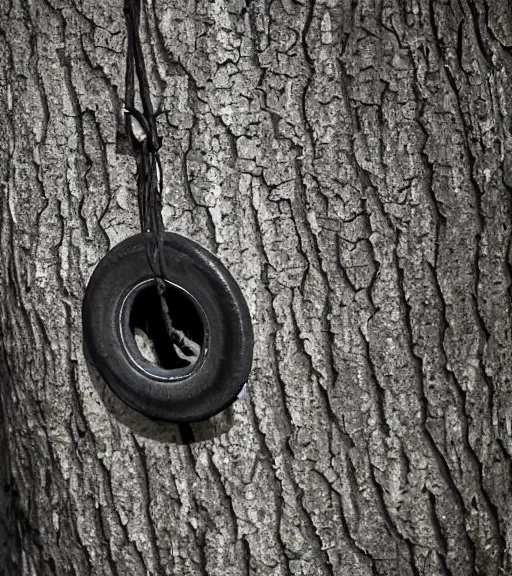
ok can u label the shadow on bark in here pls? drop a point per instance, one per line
(10, 547)
(4, 547)
(160, 431)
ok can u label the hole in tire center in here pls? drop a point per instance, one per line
(148, 326)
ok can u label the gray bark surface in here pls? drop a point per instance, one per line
(350, 163)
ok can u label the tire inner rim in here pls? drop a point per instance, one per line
(131, 347)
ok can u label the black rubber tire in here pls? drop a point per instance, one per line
(172, 395)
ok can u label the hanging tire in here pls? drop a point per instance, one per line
(213, 310)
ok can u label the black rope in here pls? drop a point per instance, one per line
(149, 167)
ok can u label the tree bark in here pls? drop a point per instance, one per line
(350, 163)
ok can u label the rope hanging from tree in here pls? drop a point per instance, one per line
(149, 167)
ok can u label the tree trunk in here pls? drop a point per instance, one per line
(350, 163)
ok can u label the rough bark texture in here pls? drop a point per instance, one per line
(350, 162)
